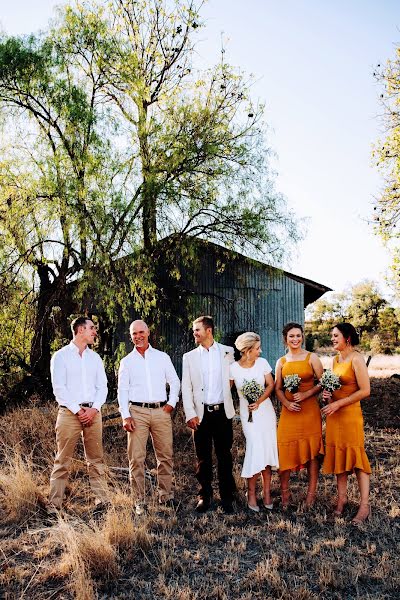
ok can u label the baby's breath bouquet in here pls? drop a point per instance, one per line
(291, 383)
(330, 381)
(251, 391)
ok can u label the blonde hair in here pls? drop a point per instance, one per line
(246, 341)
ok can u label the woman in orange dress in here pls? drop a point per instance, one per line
(344, 441)
(300, 429)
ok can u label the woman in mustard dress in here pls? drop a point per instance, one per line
(344, 443)
(300, 429)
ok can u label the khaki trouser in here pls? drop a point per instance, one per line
(157, 422)
(68, 430)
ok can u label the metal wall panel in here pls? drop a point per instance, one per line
(243, 296)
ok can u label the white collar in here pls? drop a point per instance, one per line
(74, 348)
(149, 349)
(212, 348)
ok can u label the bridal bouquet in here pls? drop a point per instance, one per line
(251, 391)
(330, 381)
(291, 383)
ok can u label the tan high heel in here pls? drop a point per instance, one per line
(358, 520)
(340, 506)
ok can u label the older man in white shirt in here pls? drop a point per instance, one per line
(142, 396)
(80, 387)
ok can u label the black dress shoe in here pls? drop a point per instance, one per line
(203, 505)
(227, 507)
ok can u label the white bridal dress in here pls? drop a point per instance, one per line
(261, 446)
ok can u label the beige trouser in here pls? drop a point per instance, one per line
(68, 430)
(157, 422)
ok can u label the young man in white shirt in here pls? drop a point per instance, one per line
(207, 401)
(142, 396)
(80, 387)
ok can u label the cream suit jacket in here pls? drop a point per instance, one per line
(193, 386)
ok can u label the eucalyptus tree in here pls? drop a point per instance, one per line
(56, 170)
(197, 139)
(120, 151)
(387, 155)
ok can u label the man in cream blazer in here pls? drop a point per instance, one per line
(209, 409)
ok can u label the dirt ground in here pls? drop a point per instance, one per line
(298, 554)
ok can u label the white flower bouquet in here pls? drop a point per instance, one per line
(291, 383)
(251, 391)
(330, 381)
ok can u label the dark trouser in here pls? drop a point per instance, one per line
(215, 427)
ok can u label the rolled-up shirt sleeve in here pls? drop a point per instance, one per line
(123, 389)
(58, 372)
(100, 386)
(173, 381)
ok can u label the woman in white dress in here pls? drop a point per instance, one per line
(260, 433)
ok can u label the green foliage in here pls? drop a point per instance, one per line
(386, 153)
(366, 303)
(377, 323)
(16, 318)
(120, 155)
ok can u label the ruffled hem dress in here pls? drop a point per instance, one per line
(261, 444)
(299, 433)
(344, 440)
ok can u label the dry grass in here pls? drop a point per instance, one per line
(380, 365)
(301, 554)
(20, 494)
(74, 562)
(384, 366)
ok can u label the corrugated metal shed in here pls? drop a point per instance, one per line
(241, 294)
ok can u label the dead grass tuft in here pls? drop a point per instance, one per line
(19, 492)
(87, 556)
(72, 563)
(120, 531)
(31, 432)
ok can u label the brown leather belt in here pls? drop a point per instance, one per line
(148, 404)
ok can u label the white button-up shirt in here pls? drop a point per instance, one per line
(144, 379)
(78, 379)
(212, 374)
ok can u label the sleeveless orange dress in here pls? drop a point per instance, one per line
(344, 440)
(299, 433)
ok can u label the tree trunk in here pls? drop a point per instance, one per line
(149, 218)
(149, 193)
(51, 294)
(40, 349)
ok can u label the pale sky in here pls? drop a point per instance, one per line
(313, 61)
